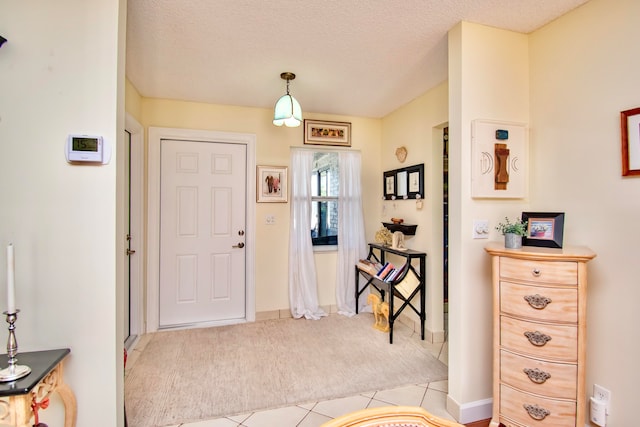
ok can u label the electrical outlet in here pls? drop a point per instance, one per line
(602, 394)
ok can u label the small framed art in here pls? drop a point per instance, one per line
(630, 135)
(320, 132)
(272, 184)
(545, 229)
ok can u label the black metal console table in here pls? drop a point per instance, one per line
(383, 287)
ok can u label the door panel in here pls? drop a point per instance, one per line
(202, 222)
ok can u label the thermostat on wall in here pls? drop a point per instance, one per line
(87, 149)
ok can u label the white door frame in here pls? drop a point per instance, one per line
(156, 135)
(136, 302)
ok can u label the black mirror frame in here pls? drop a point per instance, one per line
(390, 180)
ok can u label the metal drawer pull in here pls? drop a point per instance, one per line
(537, 301)
(536, 375)
(537, 338)
(536, 412)
(536, 272)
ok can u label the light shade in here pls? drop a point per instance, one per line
(287, 110)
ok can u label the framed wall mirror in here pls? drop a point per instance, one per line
(404, 183)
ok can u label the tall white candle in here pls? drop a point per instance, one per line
(11, 286)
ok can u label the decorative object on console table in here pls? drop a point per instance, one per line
(546, 229)
(539, 335)
(384, 236)
(630, 135)
(398, 241)
(513, 232)
(13, 371)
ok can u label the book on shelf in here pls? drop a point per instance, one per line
(408, 284)
(385, 271)
(395, 273)
(369, 267)
(389, 277)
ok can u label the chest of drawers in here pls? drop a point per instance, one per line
(539, 330)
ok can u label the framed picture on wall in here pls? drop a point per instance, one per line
(321, 132)
(272, 184)
(630, 135)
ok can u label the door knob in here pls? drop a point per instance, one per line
(130, 252)
(239, 245)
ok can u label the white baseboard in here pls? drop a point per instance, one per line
(470, 412)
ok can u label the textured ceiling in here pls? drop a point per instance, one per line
(351, 57)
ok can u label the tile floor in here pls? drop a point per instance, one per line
(431, 396)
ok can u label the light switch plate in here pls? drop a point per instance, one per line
(480, 229)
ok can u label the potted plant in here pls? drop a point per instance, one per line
(513, 232)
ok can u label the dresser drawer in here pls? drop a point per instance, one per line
(562, 345)
(544, 378)
(563, 273)
(539, 303)
(544, 412)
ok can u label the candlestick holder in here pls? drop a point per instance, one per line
(13, 371)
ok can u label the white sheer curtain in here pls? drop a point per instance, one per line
(351, 236)
(303, 288)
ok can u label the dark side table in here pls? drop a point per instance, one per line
(45, 378)
(378, 253)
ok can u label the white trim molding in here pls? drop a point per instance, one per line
(470, 412)
(153, 227)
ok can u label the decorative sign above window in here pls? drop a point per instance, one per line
(404, 183)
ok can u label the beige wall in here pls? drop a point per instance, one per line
(488, 79)
(581, 75)
(132, 100)
(418, 127)
(584, 71)
(569, 81)
(62, 73)
(273, 148)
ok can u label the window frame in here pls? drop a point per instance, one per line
(324, 242)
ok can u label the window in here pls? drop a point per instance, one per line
(324, 199)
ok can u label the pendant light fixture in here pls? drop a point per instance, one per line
(287, 110)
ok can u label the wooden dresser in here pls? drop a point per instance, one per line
(539, 330)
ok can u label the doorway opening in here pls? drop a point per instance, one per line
(134, 233)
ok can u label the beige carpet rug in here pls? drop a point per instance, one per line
(197, 374)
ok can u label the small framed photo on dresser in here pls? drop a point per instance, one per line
(544, 229)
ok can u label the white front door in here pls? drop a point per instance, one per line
(202, 232)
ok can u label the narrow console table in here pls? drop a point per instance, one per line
(18, 397)
(378, 253)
